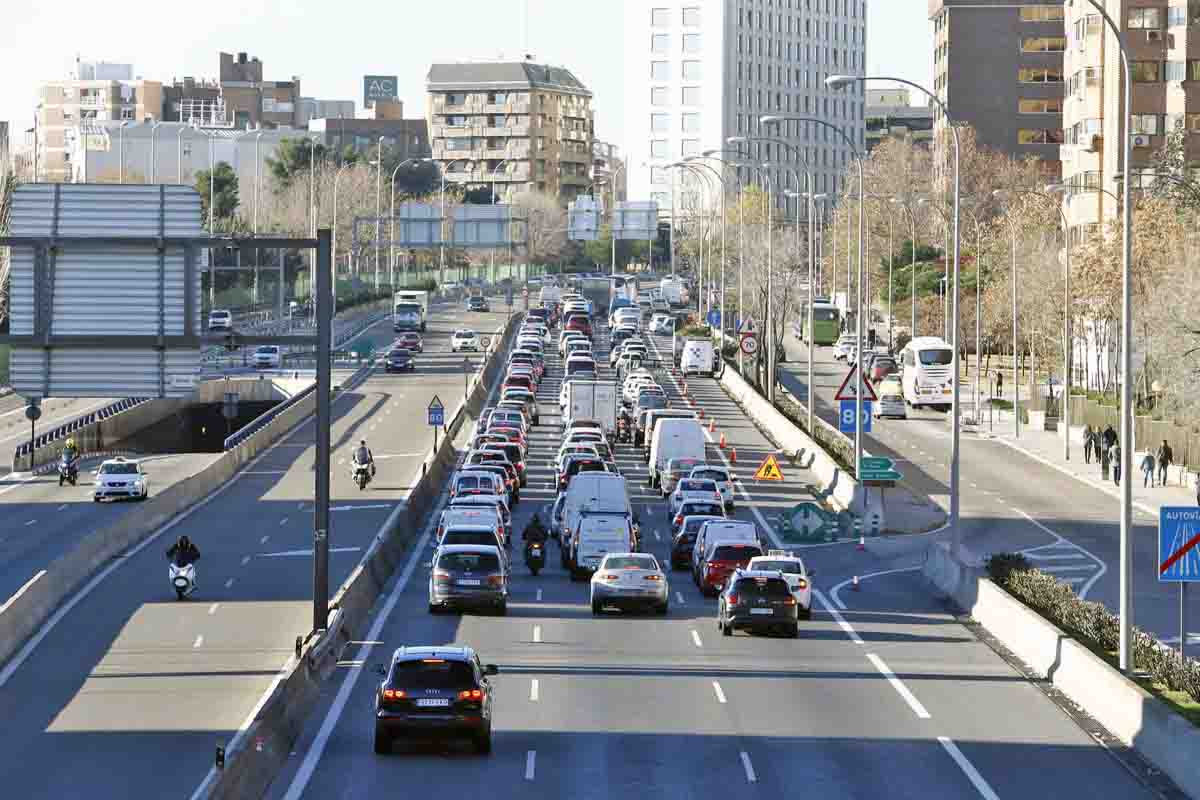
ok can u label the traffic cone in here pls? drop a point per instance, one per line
(722, 445)
(701, 413)
(712, 424)
(854, 586)
(733, 455)
(862, 545)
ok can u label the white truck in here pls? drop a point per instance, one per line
(409, 310)
(674, 292)
(593, 400)
(550, 295)
(674, 438)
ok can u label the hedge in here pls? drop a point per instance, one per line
(1091, 623)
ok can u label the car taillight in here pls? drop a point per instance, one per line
(790, 601)
(733, 599)
(471, 694)
(442, 577)
(652, 577)
(717, 496)
(678, 519)
(394, 694)
(611, 576)
(802, 584)
(495, 580)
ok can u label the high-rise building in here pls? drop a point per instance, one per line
(891, 114)
(522, 125)
(1165, 65)
(999, 68)
(700, 71)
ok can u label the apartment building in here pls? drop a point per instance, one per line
(1165, 67)
(891, 114)
(610, 167)
(999, 68)
(237, 98)
(700, 71)
(525, 126)
(385, 121)
(94, 92)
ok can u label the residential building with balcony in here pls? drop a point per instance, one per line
(1164, 52)
(525, 126)
(999, 68)
(384, 120)
(891, 114)
(238, 98)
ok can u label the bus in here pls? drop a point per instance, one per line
(927, 372)
(826, 322)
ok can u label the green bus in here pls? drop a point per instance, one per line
(826, 322)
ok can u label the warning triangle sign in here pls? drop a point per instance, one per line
(769, 470)
(847, 390)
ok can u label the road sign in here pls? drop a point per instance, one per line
(713, 318)
(878, 469)
(746, 325)
(769, 470)
(848, 390)
(33, 413)
(808, 522)
(749, 344)
(437, 412)
(1179, 544)
(846, 416)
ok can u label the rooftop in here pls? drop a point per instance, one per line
(503, 75)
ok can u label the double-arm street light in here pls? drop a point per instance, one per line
(720, 178)
(392, 222)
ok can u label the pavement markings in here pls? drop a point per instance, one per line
(981, 785)
(751, 777)
(263, 540)
(717, 690)
(696, 638)
(539, 595)
(245, 560)
(229, 583)
(31, 522)
(199, 641)
(530, 764)
(213, 608)
(657, 537)
(841, 621)
(679, 598)
(1063, 544)
(533, 690)
(283, 522)
(63, 507)
(899, 686)
(537, 633)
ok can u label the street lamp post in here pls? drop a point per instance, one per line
(442, 221)
(392, 222)
(154, 126)
(121, 150)
(378, 202)
(334, 224)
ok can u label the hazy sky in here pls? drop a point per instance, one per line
(331, 47)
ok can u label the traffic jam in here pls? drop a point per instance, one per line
(589, 470)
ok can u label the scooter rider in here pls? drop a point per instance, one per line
(363, 456)
(534, 532)
(183, 552)
(70, 452)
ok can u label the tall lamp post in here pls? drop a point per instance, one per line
(718, 155)
(392, 222)
(442, 221)
(720, 178)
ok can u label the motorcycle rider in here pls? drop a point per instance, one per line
(534, 532)
(362, 456)
(70, 452)
(183, 552)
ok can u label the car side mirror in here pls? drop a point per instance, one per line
(491, 669)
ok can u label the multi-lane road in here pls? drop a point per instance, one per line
(890, 698)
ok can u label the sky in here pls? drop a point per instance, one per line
(332, 47)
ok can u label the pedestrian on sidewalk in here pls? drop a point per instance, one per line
(1102, 457)
(1109, 438)
(999, 384)
(1088, 442)
(1165, 459)
(1148, 470)
(1114, 455)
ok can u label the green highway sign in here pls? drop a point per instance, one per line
(877, 463)
(877, 468)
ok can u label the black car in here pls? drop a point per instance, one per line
(756, 600)
(399, 360)
(683, 541)
(435, 692)
(477, 303)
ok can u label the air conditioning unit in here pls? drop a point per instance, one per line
(1141, 140)
(1154, 36)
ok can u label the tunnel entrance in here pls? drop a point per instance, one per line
(198, 428)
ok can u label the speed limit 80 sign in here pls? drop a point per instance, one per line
(749, 344)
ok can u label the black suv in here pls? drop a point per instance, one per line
(477, 303)
(757, 600)
(435, 692)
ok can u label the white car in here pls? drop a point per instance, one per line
(799, 579)
(693, 490)
(267, 356)
(220, 320)
(464, 340)
(661, 323)
(633, 383)
(630, 580)
(576, 448)
(844, 343)
(720, 476)
(120, 477)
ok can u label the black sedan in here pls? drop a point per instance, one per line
(399, 360)
(477, 303)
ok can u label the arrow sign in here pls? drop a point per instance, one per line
(847, 390)
(811, 523)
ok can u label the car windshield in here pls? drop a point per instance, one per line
(433, 673)
(269, 349)
(762, 587)
(786, 567)
(938, 357)
(678, 465)
(691, 526)
(736, 552)
(695, 485)
(652, 400)
(630, 562)
(710, 475)
(399, 353)
(712, 509)
(118, 469)
(469, 537)
(474, 482)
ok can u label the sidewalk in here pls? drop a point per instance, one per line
(1047, 447)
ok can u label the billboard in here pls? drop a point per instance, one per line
(379, 87)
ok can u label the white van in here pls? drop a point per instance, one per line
(596, 535)
(716, 532)
(595, 491)
(698, 358)
(927, 372)
(674, 438)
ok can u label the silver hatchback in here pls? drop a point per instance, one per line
(468, 576)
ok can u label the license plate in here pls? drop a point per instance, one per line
(469, 582)
(762, 611)
(432, 702)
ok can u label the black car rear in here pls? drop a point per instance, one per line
(399, 360)
(513, 453)
(477, 303)
(758, 601)
(435, 693)
(578, 465)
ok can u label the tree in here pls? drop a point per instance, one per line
(224, 191)
(293, 159)
(479, 196)
(1171, 159)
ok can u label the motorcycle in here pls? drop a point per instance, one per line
(68, 471)
(535, 556)
(362, 475)
(183, 578)
(622, 430)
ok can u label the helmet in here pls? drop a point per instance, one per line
(70, 443)
(184, 541)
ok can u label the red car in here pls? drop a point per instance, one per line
(411, 341)
(720, 565)
(580, 324)
(522, 381)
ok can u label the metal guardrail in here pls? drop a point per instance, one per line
(68, 428)
(265, 418)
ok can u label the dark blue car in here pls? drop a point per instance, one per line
(399, 360)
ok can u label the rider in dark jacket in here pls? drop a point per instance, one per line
(534, 531)
(183, 552)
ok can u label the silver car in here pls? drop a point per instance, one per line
(468, 576)
(630, 580)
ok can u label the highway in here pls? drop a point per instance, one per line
(890, 699)
(1011, 502)
(131, 688)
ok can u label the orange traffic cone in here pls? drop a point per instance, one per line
(701, 413)
(733, 455)
(712, 424)
(722, 445)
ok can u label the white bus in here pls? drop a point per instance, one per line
(927, 372)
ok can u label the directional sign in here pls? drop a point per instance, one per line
(713, 317)
(846, 416)
(769, 470)
(437, 412)
(847, 391)
(746, 325)
(1179, 544)
(879, 469)
(808, 522)
(749, 344)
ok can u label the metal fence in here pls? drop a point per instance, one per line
(264, 419)
(68, 428)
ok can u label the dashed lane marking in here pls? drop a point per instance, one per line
(899, 686)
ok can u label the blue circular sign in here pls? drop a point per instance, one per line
(714, 317)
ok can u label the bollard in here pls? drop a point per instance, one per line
(862, 545)
(854, 586)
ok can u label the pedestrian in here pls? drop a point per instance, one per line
(999, 384)
(1165, 458)
(1148, 470)
(1109, 438)
(1087, 444)
(1103, 458)
(1115, 457)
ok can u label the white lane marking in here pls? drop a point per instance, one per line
(245, 560)
(302, 553)
(31, 522)
(1071, 568)
(841, 621)
(341, 461)
(679, 597)
(361, 508)
(656, 536)
(696, 638)
(539, 595)
(1065, 557)
(213, 608)
(1087, 587)
(283, 522)
(263, 540)
(37, 576)
(229, 583)
(835, 591)
(974, 485)
(266, 472)
(199, 641)
(537, 633)
(899, 686)
(751, 777)
(533, 690)
(21, 480)
(981, 785)
(717, 690)
(530, 764)
(63, 507)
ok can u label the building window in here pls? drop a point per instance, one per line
(1049, 105)
(1193, 70)
(459, 143)
(1192, 123)
(1151, 124)
(660, 18)
(691, 123)
(659, 96)
(660, 43)
(691, 18)
(1040, 75)
(1146, 71)
(1145, 19)
(1175, 71)
(660, 71)
(691, 70)
(1043, 44)
(660, 122)
(691, 95)
(497, 98)
(658, 148)
(1042, 14)
(1040, 136)
(456, 99)
(128, 113)
(691, 43)
(456, 121)
(691, 147)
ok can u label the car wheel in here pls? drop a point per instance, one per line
(596, 608)
(806, 613)
(663, 609)
(383, 743)
(434, 609)
(727, 629)
(795, 634)
(95, 499)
